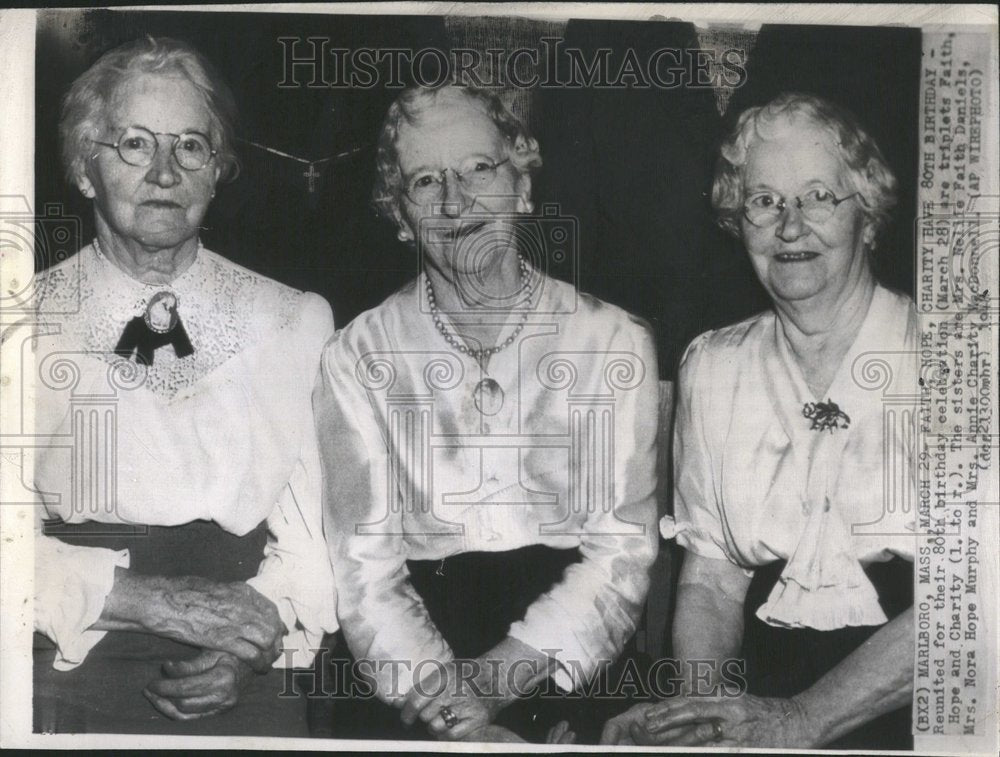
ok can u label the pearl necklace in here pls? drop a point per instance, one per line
(479, 355)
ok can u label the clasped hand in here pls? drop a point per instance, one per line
(205, 685)
(226, 617)
(239, 630)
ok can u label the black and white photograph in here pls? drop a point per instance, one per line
(527, 376)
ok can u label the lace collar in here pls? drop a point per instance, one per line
(225, 308)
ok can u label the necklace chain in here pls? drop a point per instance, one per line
(456, 343)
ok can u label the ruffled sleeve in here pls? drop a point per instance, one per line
(71, 586)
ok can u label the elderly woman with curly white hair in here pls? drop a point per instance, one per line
(179, 552)
(798, 557)
(488, 436)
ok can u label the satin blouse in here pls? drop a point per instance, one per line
(758, 479)
(419, 464)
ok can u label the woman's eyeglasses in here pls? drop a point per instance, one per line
(137, 146)
(817, 205)
(474, 176)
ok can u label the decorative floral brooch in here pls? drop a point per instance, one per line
(825, 416)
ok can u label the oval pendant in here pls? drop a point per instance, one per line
(488, 397)
(161, 312)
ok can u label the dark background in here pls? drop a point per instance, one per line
(633, 166)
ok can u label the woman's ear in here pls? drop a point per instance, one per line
(868, 234)
(403, 231)
(525, 156)
(84, 184)
(526, 150)
(524, 203)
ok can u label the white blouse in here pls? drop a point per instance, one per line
(413, 470)
(755, 483)
(225, 434)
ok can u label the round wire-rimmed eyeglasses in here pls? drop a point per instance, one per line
(137, 146)
(474, 176)
(818, 205)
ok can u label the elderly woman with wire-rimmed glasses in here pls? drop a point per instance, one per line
(488, 434)
(799, 546)
(179, 552)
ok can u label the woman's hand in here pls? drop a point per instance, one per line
(474, 691)
(618, 730)
(233, 618)
(744, 721)
(560, 734)
(473, 701)
(206, 685)
(227, 617)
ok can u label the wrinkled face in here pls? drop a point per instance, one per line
(160, 205)
(456, 231)
(795, 258)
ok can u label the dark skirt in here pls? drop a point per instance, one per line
(782, 662)
(472, 599)
(104, 694)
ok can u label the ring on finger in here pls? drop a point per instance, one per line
(717, 732)
(450, 718)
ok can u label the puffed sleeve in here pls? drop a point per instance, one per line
(696, 523)
(585, 620)
(296, 573)
(383, 619)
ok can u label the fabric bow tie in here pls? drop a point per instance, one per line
(159, 326)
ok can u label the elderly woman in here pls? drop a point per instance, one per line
(779, 448)
(181, 550)
(488, 439)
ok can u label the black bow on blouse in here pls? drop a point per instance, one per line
(137, 337)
